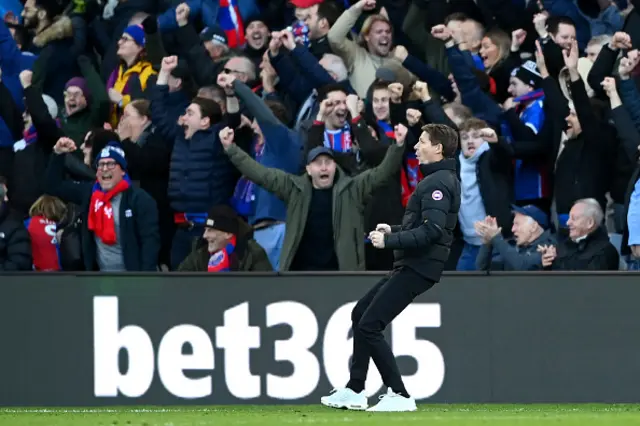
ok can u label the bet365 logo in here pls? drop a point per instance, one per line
(236, 338)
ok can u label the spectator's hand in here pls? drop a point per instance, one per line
(64, 145)
(620, 40)
(226, 137)
(275, 43)
(413, 117)
(441, 32)
(396, 90)
(421, 90)
(25, 78)
(352, 105)
(366, 5)
(288, 40)
(609, 86)
(400, 133)
(489, 135)
(517, 38)
(571, 57)
(400, 53)
(548, 256)
(508, 104)
(454, 87)
(377, 239)
(628, 64)
(182, 14)
(115, 96)
(226, 82)
(326, 107)
(540, 23)
(268, 74)
(169, 63)
(124, 129)
(540, 61)
(384, 228)
(635, 251)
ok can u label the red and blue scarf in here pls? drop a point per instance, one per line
(231, 23)
(411, 174)
(220, 261)
(101, 217)
(338, 140)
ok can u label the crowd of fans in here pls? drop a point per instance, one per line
(259, 135)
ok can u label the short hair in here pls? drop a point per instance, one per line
(209, 109)
(457, 16)
(479, 29)
(592, 209)
(599, 40)
(330, 11)
(142, 106)
(443, 135)
(379, 85)
(473, 124)
(336, 65)
(279, 110)
(459, 110)
(324, 91)
(553, 24)
(250, 67)
(213, 92)
(49, 207)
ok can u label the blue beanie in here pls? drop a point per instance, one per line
(114, 151)
(137, 34)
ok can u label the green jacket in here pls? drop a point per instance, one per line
(251, 257)
(350, 194)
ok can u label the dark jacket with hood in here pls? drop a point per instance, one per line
(56, 63)
(248, 255)
(15, 244)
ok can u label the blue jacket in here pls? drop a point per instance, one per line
(200, 173)
(207, 10)
(282, 150)
(12, 63)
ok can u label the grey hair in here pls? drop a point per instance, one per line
(249, 66)
(600, 40)
(592, 209)
(335, 64)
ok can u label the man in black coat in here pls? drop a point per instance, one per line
(422, 245)
(121, 221)
(15, 245)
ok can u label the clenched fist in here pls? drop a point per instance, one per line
(169, 63)
(489, 135)
(421, 90)
(226, 137)
(64, 145)
(400, 133)
(26, 77)
(413, 116)
(396, 90)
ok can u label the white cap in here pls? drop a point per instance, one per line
(51, 106)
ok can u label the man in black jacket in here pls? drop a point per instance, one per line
(421, 246)
(15, 245)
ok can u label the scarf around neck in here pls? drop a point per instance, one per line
(220, 261)
(101, 218)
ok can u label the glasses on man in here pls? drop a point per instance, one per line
(230, 71)
(107, 165)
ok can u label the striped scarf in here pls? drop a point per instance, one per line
(338, 140)
(231, 23)
(221, 261)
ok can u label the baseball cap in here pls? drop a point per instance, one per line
(318, 151)
(534, 213)
(215, 35)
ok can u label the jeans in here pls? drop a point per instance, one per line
(371, 315)
(467, 261)
(271, 239)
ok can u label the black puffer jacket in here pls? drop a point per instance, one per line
(423, 241)
(15, 244)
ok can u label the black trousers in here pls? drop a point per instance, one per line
(371, 315)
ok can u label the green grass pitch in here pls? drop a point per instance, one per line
(428, 414)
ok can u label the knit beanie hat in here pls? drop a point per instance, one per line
(114, 151)
(81, 84)
(528, 73)
(223, 218)
(137, 34)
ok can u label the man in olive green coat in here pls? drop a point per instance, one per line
(325, 226)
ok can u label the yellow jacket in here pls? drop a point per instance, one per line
(120, 81)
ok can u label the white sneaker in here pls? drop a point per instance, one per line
(392, 402)
(345, 398)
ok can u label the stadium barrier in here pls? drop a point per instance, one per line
(180, 339)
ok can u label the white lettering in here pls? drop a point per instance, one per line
(304, 332)
(236, 337)
(337, 352)
(430, 373)
(172, 361)
(108, 339)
